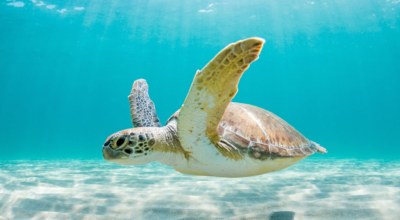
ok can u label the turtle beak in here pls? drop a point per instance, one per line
(106, 153)
(110, 154)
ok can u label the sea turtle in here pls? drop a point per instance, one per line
(210, 135)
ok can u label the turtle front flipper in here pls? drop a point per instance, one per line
(143, 111)
(211, 92)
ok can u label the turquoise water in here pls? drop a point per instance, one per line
(329, 68)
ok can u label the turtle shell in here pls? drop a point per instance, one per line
(262, 134)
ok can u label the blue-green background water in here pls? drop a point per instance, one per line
(330, 68)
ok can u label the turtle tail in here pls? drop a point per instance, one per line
(317, 148)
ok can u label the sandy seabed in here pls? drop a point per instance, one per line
(312, 189)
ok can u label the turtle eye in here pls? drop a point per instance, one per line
(120, 141)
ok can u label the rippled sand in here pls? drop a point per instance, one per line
(312, 189)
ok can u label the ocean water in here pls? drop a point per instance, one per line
(330, 68)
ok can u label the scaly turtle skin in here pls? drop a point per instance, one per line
(210, 135)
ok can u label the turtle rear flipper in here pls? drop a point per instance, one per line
(143, 111)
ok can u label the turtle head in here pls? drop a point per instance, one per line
(131, 146)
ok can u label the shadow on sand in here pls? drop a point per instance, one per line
(282, 215)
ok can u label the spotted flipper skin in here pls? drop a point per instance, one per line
(143, 111)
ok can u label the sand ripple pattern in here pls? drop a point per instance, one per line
(313, 189)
